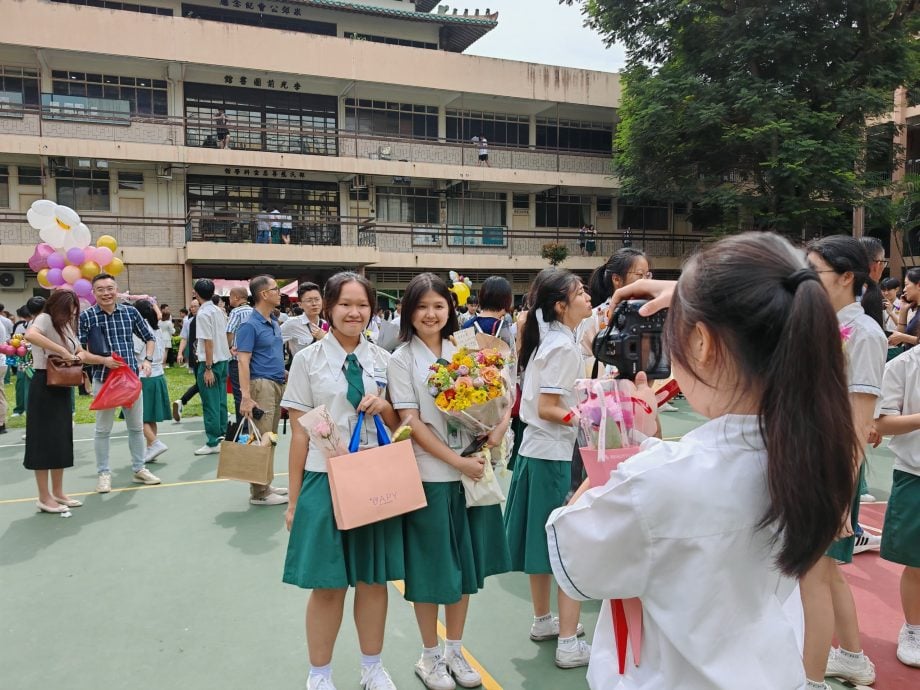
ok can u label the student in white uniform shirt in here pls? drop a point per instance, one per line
(900, 417)
(450, 549)
(711, 532)
(320, 557)
(550, 362)
(830, 611)
(300, 331)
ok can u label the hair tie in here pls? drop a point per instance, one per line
(792, 281)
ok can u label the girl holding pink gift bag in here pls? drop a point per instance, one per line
(450, 548)
(550, 363)
(346, 374)
(712, 532)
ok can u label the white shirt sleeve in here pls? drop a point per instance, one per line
(557, 369)
(600, 547)
(298, 394)
(204, 326)
(867, 361)
(893, 387)
(399, 381)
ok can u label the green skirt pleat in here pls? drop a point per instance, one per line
(842, 549)
(538, 487)
(157, 407)
(451, 549)
(901, 536)
(320, 556)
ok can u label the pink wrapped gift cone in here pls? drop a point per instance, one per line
(599, 468)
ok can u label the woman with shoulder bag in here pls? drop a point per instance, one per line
(49, 426)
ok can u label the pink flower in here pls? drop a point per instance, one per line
(846, 332)
(322, 429)
(464, 382)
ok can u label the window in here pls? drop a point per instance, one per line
(130, 182)
(572, 135)
(359, 194)
(4, 187)
(651, 217)
(244, 197)
(407, 205)
(389, 40)
(487, 209)
(604, 204)
(562, 211)
(509, 130)
(126, 6)
(30, 176)
(404, 120)
(144, 96)
(521, 201)
(19, 83)
(83, 190)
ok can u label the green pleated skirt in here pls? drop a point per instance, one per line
(321, 556)
(538, 487)
(451, 549)
(842, 549)
(901, 536)
(157, 407)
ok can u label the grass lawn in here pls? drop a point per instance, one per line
(178, 379)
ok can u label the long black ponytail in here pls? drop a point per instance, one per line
(552, 285)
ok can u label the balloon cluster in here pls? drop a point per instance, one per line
(65, 259)
(461, 287)
(14, 348)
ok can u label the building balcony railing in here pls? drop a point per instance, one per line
(129, 231)
(108, 120)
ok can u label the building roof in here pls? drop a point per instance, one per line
(458, 31)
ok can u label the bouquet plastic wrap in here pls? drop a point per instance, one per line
(323, 432)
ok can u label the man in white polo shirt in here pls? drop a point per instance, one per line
(300, 331)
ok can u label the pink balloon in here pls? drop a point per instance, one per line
(71, 274)
(37, 263)
(83, 287)
(54, 276)
(21, 350)
(44, 249)
(103, 256)
(5, 349)
(65, 286)
(75, 256)
(89, 254)
(84, 304)
(56, 260)
(91, 299)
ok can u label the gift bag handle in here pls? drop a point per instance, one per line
(253, 429)
(383, 438)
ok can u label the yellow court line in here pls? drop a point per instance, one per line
(139, 487)
(488, 682)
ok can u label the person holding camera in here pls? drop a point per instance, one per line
(260, 359)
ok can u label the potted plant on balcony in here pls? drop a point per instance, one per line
(554, 252)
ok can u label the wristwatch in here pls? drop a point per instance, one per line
(148, 359)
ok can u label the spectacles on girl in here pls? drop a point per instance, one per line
(647, 274)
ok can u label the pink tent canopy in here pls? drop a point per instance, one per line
(223, 287)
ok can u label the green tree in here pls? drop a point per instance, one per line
(755, 110)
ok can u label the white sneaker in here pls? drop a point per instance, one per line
(177, 411)
(866, 498)
(668, 407)
(465, 675)
(376, 678)
(208, 450)
(859, 671)
(145, 476)
(549, 630)
(909, 647)
(155, 450)
(434, 673)
(104, 483)
(280, 490)
(578, 656)
(319, 683)
(269, 500)
(867, 542)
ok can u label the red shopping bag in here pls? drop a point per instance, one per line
(122, 388)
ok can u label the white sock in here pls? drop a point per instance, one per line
(369, 660)
(452, 648)
(432, 653)
(814, 685)
(568, 642)
(543, 619)
(855, 656)
(322, 671)
(915, 629)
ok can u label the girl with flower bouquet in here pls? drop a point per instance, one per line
(551, 362)
(346, 374)
(450, 549)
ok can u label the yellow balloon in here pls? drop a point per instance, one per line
(90, 269)
(462, 291)
(43, 278)
(107, 241)
(116, 267)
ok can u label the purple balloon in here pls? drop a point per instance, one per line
(56, 260)
(54, 276)
(75, 256)
(83, 287)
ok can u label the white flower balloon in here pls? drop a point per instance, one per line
(58, 225)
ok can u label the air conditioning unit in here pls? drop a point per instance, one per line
(164, 172)
(12, 280)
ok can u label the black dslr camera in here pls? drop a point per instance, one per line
(634, 343)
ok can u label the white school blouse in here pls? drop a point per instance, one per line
(677, 526)
(317, 377)
(409, 369)
(901, 396)
(866, 349)
(552, 369)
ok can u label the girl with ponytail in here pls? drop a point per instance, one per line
(711, 532)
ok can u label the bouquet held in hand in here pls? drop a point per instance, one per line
(323, 432)
(472, 388)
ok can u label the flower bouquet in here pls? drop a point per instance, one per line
(472, 388)
(323, 432)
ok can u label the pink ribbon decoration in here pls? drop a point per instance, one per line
(627, 625)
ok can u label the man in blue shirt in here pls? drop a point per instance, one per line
(260, 358)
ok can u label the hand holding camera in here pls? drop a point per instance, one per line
(634, 343)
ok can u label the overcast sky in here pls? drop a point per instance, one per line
(541, 31)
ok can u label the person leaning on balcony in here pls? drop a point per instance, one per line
(908, 324)
(260, 355)
(213, 357)
(263, 227)
(287, 225)
(223, 133)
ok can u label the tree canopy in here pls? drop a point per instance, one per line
(754, 111)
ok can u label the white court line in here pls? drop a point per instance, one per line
(84, 440)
